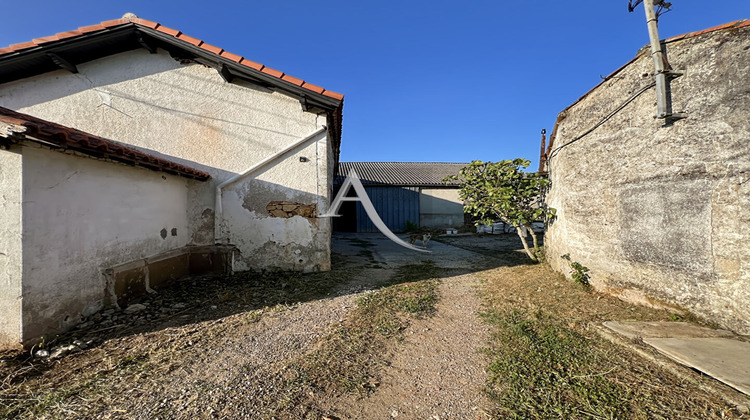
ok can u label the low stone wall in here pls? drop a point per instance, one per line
(135, 278)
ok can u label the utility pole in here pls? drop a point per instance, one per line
(663, 104)
(658, 55)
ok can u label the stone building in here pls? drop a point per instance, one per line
(660, 210)
(134, 154)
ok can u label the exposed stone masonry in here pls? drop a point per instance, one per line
(287, 209)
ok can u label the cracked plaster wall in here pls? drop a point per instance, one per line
(189, 114)
(81, 216)
(10, 247)
(662, 214)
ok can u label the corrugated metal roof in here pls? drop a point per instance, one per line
(400, 173)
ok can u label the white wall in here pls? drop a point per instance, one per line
(189, 114)
(82, 215)
(295, 243)
(440, 208)
(10, 247)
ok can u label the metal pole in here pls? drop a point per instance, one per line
(658, 56)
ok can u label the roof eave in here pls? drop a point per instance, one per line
(130, 31)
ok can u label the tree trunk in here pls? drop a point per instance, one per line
(519, 230)
(533, 236)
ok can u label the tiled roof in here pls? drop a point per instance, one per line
(58, 136)
(400, 173)
(66, 50)
(731, 25)
(177, 35)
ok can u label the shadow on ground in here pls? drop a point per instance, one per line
(360, 262)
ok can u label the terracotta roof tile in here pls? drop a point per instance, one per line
(715, 28)
(114, 22)
(169, 31)
(735, 24)
(96, 146)
(145, 22)
(211, 48)
(46, 39)
(233, 57)
(195, 41)
(22, 46)
(180, 36)
(312, 87)
(68, 34)
(251, 64)
(91, 28)
(272, 72)
(292, 80)
(333, 95)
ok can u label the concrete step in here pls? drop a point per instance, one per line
(718, 353)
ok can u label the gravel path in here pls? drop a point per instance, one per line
(188, 359)
(438, 371)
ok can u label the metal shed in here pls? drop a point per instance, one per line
(402, 192)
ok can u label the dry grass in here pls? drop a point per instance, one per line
(547, 361)
(349, 358)
(132, 375)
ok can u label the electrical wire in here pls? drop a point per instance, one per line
(602, 121)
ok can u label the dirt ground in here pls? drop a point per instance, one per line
(232, 348)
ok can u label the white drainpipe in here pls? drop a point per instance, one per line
(218, 214)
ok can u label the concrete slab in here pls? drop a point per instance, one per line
(387, 253)
(718, 353)
(724, 359)
(665, 330)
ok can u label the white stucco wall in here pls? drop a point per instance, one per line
(10, 247)
(81, 216)
(189, 114)
(441, 208)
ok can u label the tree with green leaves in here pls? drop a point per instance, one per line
(502, 191)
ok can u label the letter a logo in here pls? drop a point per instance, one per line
(352, 180)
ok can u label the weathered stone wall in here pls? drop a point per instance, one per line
(662, 213)
(187, 113)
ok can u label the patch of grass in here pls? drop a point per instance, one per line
(347, 359)
(547, 361)
(540, 369)
(81, 393)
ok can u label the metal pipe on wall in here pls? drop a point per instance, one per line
(218, 209)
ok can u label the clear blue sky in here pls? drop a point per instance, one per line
(424, 80)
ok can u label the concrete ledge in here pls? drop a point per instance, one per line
(134, 278)
(704, 382)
